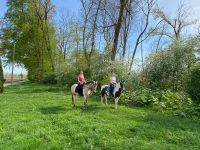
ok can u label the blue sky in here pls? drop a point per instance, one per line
(73, 6)
(2, 7)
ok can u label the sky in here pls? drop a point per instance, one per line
(170, 7)
(73, 7)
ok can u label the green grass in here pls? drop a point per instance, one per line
(34, 116)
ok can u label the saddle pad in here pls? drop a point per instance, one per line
(79, 90)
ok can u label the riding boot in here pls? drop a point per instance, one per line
(81, 89)
(111, 90)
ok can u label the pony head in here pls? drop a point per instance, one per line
(93, 85)
(122, 83)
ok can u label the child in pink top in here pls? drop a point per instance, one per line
(81, 78)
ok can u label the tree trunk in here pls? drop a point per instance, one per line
(126, 29)
(93, 37)
(1, 77)
(117, 29)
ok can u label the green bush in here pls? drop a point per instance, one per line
(49, 79)
(103, 71)
(190, 111)
(177, 102)
(160, 100)
(66, 75)
(194, 85)
(169, 100)
(140, 97)
(170, 67)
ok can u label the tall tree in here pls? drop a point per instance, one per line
(31, 30)
(87, 10)
(63, 34)
(108, 17)
(126, 26)
(174, 26)
(1, 53)
(91, 10)
(1, 77)
(69, 39)
(94, 29)
(118, 26)
(44, 10)
(146, 9)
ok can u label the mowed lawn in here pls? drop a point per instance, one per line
(35, 116)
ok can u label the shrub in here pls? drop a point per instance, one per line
(66, 75)
(49, 79)
(170, 67)
(160, 100)
(103, 71)
(169, 100)
(190, 111)
(194, 85)
(140, 97)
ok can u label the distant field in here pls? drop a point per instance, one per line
(36, 116)
(15, 78)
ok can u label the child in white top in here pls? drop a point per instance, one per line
(112, 83)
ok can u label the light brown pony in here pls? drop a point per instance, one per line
(88, 88)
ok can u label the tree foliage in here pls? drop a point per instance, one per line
(2, 23)
(30, 29)
(169, 68)
(194, 84)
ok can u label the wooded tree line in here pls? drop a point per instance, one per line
(30, 30)
(106, 36)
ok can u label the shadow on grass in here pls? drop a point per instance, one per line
(91, 108)
(16, 89)
(51, 89)
(53, 110)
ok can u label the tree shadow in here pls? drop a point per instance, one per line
(53, 110)
(31, 89)
(51, 89)
(91, 108)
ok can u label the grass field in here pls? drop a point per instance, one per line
(34, 116)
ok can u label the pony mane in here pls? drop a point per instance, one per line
(89, 82)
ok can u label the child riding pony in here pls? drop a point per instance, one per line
(87, 89)
(106, 92)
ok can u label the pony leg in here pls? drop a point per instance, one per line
(116, 101)
(84, 103)
(105, 97)
(102, 99)
(86, 100)
(73, 100)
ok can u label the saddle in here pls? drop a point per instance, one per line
(110, 89)
(79, 89)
